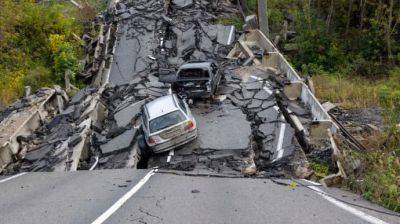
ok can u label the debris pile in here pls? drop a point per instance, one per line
(23, 117)
(60, 143)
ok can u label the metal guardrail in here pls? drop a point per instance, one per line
(280, 62)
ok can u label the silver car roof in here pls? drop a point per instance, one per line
(161, 106)
(203, 65)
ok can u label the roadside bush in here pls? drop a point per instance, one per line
(63, 55)
(37, 44)
(318, 49)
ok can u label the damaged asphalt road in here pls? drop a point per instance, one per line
(251, 131)
(83, 197)
(241, 131)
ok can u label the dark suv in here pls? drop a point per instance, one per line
(196, 80)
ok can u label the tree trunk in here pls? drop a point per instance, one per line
(244, 5)
(329, 18)
(349, 13)
(363, 4)
(389, 31)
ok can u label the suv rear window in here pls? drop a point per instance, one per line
(165, 121)
(193, 73)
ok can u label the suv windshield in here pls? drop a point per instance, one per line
(166, 121)
(193, 73)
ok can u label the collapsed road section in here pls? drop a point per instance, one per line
(262, 120)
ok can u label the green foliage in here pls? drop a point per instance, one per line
(36, 46)
(64, 55)
(318, 50)
(321, 170)
(382, 179)
(235, 21)
(355, 63)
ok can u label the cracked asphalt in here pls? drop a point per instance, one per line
(82, 197)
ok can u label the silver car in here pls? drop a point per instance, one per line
(167, 123)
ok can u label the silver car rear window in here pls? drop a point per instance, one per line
(165, 121)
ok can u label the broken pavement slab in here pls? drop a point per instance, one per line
(119, 143)
(125, 116)
(231, 135)
(23, 121)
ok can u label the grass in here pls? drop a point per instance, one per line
(379, 178)
(234, 20)
(347, 92)
(321, 170)
(354, 91)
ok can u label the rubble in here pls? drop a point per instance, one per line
(22, 118)
(121, 142)
(241, 132)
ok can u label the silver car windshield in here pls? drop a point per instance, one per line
(165, 121)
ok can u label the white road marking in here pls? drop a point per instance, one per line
(95, 163)
(348, 208)
(231, 34)
(268, 90)
(12, 177)
(279, 147)
(171, 153)
(256, 78)
(124, 198)
(312, 182)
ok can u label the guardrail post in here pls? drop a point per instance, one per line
(263, 17)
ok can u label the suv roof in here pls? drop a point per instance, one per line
(161, 106)
(203, 65)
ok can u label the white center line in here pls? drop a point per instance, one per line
(12, 177)
(279, 147)
(95, 163)
(124, 198)
(171, 153)
(268, 90)
(231, 35)
(352, 210)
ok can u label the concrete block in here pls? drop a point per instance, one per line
(119, 143)
(125, 116)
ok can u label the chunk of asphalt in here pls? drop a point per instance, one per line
(247, 94)
(269, 115)
(125, 116)
(79, 96)
(182, 3)
(261, 95)
(224, 35)
(238, 96)
(221, 156)
(253, 85)
(38, 153)
(68, 110)
(255, 104)
(75, 139)
(267, 129)
(119, 143)
(268, 104)
(296, 108)
(233, 128)
(186, 41)
(236, 102)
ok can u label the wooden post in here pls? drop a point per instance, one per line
(263, 17)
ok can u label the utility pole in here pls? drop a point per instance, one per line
(263, 17)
